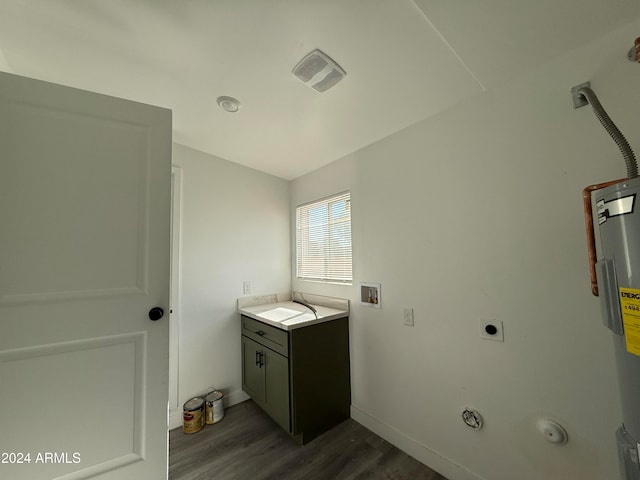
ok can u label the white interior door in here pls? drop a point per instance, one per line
(84, 256)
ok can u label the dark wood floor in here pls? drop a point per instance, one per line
(248, 445)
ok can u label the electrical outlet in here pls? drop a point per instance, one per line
(246, 287)
(491, 329)
(407, 315)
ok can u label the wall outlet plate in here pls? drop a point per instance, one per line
(491, 329)
(407, 315)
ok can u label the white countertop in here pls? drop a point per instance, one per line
(288, 315)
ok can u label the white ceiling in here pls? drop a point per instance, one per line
(405, 61)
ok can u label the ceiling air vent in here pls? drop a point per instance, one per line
(318, 71)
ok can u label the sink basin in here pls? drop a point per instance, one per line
(279, 314)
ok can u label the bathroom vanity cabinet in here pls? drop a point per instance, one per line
(299, 376)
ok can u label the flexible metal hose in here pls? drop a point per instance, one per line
(612, 130)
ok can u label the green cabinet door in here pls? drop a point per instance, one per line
(265, 377)
(276, 370)
(252, 372)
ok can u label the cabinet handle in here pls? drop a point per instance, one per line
(261, 359)
(260, 332)
(258, 358)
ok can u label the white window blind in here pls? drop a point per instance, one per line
(323, 240)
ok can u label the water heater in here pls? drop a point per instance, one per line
(618, 274)
(613, 216)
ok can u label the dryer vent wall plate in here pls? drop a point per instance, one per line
(318, 71)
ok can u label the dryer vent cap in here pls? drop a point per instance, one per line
(318, 71)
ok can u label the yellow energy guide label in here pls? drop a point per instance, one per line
(630, 305)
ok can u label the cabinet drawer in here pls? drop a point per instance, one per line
(272, 337)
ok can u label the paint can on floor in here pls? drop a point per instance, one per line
(193, 415)
(214, 407)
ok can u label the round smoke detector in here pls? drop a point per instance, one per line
(472, 418)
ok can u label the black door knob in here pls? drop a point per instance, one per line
(156, 313)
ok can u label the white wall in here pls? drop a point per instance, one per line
(235, 227)
(477, 213)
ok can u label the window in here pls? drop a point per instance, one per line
(323, 240)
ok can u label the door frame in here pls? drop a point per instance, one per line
(175, 413)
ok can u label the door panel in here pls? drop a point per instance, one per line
(67, 198)
(277, 387)
(84, 255)
(114, 392)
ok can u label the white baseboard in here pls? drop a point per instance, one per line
(417, 450)
(175, 416)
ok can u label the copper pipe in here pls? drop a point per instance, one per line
(588, 220)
